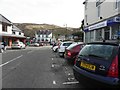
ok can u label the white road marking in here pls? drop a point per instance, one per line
(66, 83)
(53, 65)
(71, 79)
(52, 58)
(54, 82)
(11, 60)
(29, 52)
(69, 74)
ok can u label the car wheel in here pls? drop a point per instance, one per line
(56, 50)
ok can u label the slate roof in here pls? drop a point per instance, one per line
(4, 19)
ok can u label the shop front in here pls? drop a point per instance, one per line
(105, 30)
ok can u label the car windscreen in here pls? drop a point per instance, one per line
(97, 51)
(67, 44)
(15, 42)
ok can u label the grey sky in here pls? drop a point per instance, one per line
(58, 12)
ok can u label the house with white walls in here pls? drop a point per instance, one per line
(9, 32)
(101, 20)
(43, 36)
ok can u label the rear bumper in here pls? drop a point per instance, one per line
(106, 80)
(18, 47)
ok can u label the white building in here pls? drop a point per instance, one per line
(43, 36)
(9, 32)
(101, 20)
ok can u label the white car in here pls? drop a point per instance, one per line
(63, 46)
(18, 45)
(55, 48)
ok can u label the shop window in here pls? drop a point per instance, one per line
(107, 33)
(99, 34)
(91, 36)
(115, 30)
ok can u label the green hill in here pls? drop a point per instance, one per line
(29, 29)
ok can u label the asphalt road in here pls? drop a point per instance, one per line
(37, 67)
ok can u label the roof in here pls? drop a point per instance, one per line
(45, 32)
(105, 43)
(11, 35)
(16, 28)
(4, 19)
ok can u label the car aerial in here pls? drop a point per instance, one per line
(72, 51)
(18, 45)
(62, 46)
(99, 61)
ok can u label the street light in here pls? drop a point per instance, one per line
(66, 29)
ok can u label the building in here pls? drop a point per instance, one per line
(43, 36)
(101, 20)
(9, 32)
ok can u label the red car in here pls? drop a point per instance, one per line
(72, 51)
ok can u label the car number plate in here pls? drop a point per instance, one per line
(87, 66)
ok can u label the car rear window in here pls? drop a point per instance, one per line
(66, 44)
(100, 51)
(72, 45)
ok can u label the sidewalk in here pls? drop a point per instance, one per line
(8, 47)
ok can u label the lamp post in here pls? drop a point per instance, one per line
(66, 30)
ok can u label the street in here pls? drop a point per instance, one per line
(37, 67)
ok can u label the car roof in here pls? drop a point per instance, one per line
(105, 43)
(67, 42)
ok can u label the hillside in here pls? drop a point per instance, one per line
(30, 28)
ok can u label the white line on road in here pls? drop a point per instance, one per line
(66, 83)
(53, 65)
(52, 58)
(11, 60)
(54, 82)
(29, 52)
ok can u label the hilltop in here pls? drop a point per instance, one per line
(30, 28)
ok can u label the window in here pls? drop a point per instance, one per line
(13, 32)
(86, 19)
(86, 4)
(117, 4)
(99, 34)
(97, 50)
(4, 27)
(98, 13)
(19, 33)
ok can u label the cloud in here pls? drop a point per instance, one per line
(56, 12)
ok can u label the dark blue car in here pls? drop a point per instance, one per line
(99, 62)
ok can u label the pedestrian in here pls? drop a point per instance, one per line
(4, 44)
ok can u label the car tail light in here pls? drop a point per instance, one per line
(113, 70)
(69, 53)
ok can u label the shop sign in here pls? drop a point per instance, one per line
(99, 25)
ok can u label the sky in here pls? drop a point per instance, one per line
(57, 12)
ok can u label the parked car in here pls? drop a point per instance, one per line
(100, 62)
(55, 48)
(36, 44)
(18, 45)
(62, 47)
(1, 48)
(72, 51)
